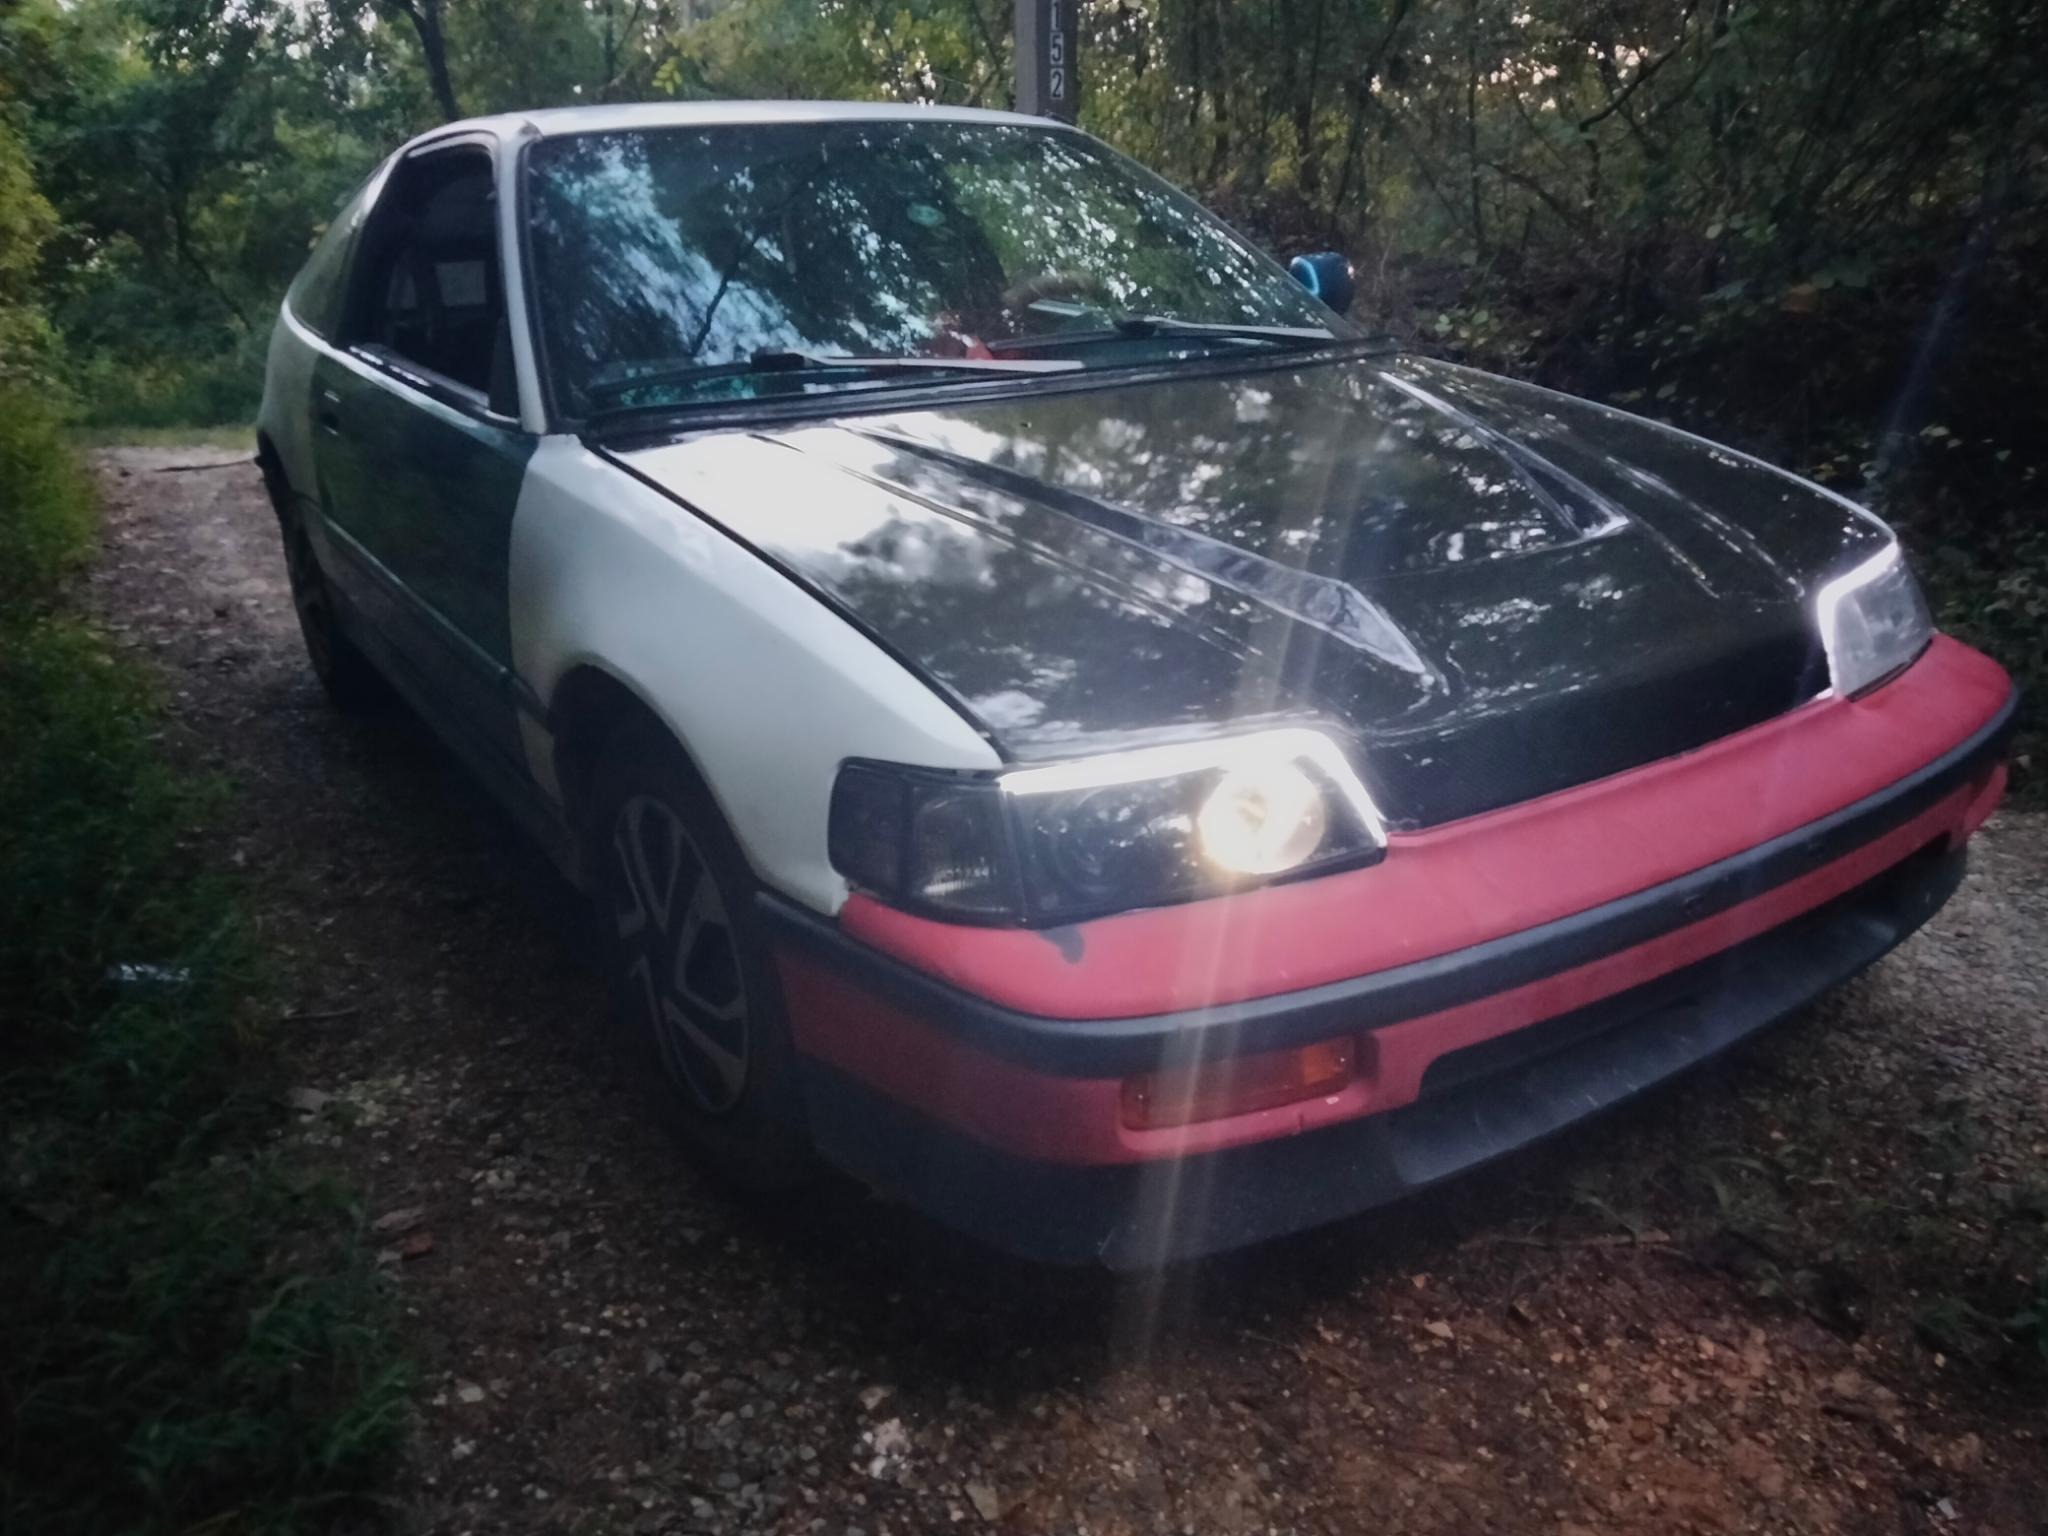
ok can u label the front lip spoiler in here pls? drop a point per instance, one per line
(1118, 1046)
(1138, 1216)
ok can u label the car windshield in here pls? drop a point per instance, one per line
(661, 255)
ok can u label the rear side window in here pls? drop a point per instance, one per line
(317, 293)
(425, 277)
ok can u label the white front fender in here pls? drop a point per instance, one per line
(766, 687)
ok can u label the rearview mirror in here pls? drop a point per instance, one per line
(1327, 275)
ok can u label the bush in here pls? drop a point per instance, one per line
(172, 388)
(1989, 586)
(192, 1334)
(45, 505)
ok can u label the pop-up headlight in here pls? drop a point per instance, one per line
(1873, 621)
(1063, 841)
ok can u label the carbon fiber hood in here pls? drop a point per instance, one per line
(1492, 590)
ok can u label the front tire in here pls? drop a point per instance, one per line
(693, 992)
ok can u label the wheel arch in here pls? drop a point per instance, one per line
(589, 706)
(277, 482)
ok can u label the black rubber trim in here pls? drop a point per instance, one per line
(536, 336)
(1138, 1216)
(1114, 1047)
(663, 425)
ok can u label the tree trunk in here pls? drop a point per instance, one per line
(435, 47)
(1361, 103)
(425, 16)
(1309, 172)
(1472, 125)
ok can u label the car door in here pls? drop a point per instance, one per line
(418, 451)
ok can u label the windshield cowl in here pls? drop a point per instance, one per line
(895, 392)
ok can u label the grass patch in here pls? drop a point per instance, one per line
(194, 1337)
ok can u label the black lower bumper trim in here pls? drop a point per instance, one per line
(1476, 1106)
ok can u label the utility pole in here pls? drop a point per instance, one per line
(1048, 53)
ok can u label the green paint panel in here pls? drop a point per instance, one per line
(429, 491)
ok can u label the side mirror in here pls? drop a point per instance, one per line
(1326, 275)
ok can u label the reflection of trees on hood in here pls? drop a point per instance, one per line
(1162, 554)
(1013, 604)
(1365, 484)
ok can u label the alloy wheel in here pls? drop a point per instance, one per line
(681, 960)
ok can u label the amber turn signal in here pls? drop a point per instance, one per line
(1236, 1085)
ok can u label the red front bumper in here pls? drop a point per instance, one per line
(1020, 1041)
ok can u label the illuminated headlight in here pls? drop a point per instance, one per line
(1064, 841)
(1262, 820)
(1873, 621)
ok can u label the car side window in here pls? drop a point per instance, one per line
(428, 288)
(317, 294)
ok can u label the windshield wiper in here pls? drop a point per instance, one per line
(1144, 327)
(775, 360)
(1139, 326)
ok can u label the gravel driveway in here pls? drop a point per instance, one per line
(1611, 1335)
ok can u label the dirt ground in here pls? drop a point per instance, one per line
(1585, 1340)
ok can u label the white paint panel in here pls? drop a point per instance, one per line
(616, 117)
(512, 249)
(768, 689)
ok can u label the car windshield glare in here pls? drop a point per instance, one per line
(657, 251)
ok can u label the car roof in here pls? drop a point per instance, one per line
(556, 122)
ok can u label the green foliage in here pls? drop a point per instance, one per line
(193, 1334)
(94, 825)
(1988, 583)
(46, 520)
(168, 388)
(953, 51)
(192, 152)
(26, 223)
(209, 1349)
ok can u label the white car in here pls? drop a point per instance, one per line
(1060, 722)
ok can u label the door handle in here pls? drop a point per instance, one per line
(328, 414)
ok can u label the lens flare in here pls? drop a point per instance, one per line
(1262, 819)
